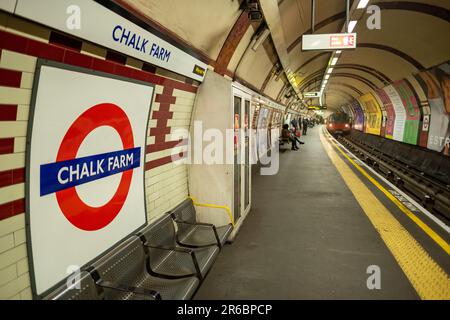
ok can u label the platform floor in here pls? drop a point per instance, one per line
(305, 238)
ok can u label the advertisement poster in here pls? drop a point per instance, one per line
(436, 85)
(399, 110)
(373, 114)
(390, 114)
(359, 116)
(411, 131)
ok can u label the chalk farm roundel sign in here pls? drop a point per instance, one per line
(85, 168)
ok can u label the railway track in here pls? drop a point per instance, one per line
(432, 193)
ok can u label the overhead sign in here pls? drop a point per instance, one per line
(106, 28)
(317, 107)
(86, 168)
(311, 94)
(333, 41)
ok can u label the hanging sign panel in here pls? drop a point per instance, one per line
(311, 94)
(91, 21)
(85, 176)
(329, 41)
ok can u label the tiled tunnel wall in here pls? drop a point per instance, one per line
(21, 44)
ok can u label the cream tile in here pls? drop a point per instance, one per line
(6, 242)
(17, 61)
(12, 224)
(12, 161)
(14, 95)
(12, 256)
(20, 144)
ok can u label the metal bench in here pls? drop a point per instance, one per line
(167, 258)
(83, 288)
(195, 234)
(123, 275)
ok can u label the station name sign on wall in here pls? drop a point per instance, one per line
(106, 28)
(85, 178)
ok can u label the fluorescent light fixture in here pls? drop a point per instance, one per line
(263, 36)
(338, 51)
(330, 70)
(327, 77)
(334, 61)
(362, 4)
(352, 26)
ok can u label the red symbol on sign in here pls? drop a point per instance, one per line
(342, 41)
(74, 209)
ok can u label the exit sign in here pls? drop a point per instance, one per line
(330, 41)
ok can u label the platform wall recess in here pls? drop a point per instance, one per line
(21, 44)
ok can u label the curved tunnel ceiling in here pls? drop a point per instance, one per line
(413, 37)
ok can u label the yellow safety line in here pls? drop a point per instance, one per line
(428, 279)
(430, 232)
(207, 205)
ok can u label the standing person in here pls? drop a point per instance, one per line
(294, 123)
(305, 126)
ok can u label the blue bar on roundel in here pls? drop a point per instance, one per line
(71, 173)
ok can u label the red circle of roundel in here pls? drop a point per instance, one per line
(74, 209)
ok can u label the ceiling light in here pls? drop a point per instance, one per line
(334, 61)
(362, 4)
(352, 25)
(327, 77)
(338, 51)
(330, 70)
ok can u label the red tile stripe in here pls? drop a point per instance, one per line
(159, 131)
(13, 208)
(11, 177)
(165, 145)
(6, 145)
(10, 78)
(8, 112)
(165, 99)
(59, 53)
(162, 115)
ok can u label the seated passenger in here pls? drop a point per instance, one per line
(295, 135)
(288, 135)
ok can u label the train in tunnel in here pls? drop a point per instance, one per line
(339, 123)
(150, 131)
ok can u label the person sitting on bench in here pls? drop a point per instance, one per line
(286, 134)
(296, 136)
